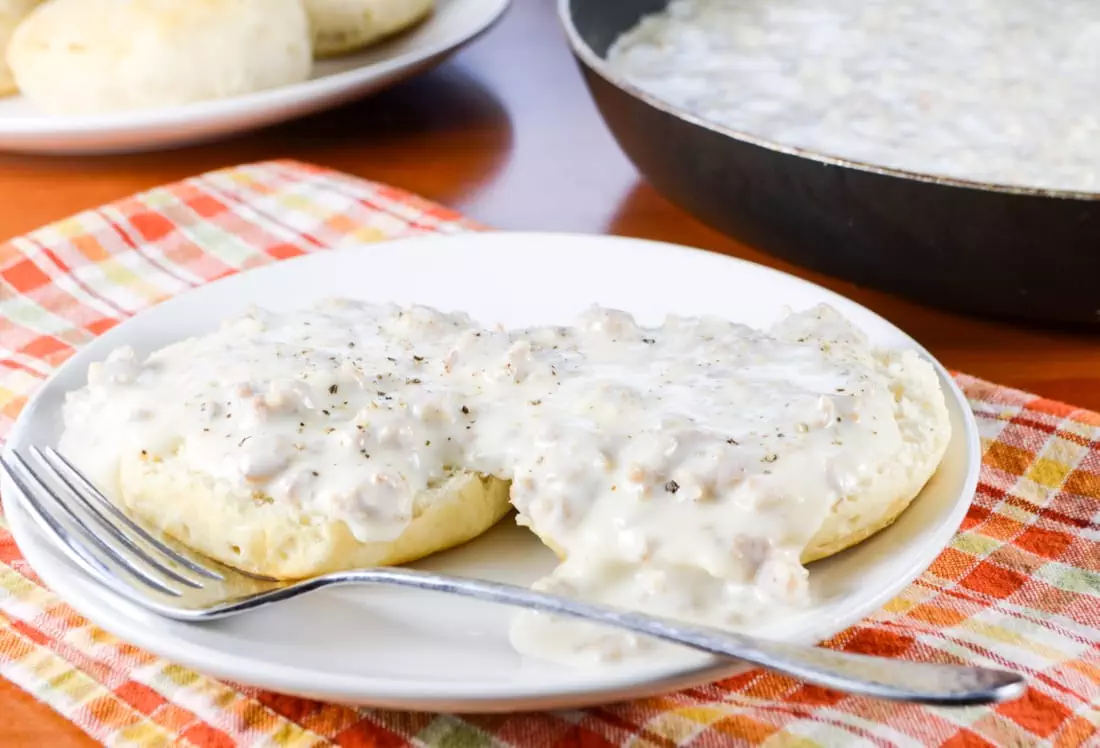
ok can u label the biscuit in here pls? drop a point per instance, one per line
(282, 542)
(12, 13)
(341, 26)
(99, 56)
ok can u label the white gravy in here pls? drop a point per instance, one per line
(682, 469)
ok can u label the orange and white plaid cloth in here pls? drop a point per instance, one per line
(1019, 586)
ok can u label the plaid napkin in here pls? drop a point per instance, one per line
(1017, 588)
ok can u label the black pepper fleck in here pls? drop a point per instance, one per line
(242, 441)
(648, 341)
(326, 412)
(672, 486)
(333, 389)
(465, 411)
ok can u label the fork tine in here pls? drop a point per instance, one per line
(126, 564)
(73, 548)
(53, 458)
(106, 524)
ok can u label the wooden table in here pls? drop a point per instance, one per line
(506, 133)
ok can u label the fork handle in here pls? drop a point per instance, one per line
(897, 680)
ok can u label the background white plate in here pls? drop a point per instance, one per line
(415, 650)
(335, 81)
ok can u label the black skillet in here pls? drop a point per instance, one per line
(981, 248)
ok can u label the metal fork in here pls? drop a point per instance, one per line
(162, 575)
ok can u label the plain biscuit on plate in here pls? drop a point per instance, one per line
(12, 12)
(97, 56)
(341, 26)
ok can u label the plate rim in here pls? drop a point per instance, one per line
(386, 692)
(34, 127)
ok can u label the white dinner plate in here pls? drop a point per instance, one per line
(416, 650)
(333, 82)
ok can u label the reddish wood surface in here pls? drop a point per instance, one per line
(506, 133)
